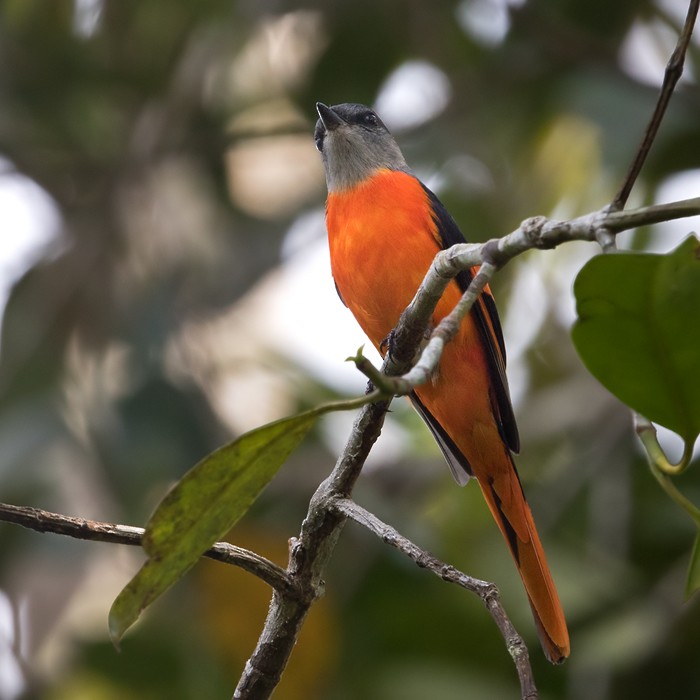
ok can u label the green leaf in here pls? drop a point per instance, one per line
(692, 583)
(638, 332)
(205, 504)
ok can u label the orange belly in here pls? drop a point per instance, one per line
(382, 241)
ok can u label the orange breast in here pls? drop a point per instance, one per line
(381, 245)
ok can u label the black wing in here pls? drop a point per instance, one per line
(486, 317)
(456, 461)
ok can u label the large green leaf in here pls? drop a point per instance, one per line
(204, 505)
(638, 332)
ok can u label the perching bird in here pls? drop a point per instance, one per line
(384, 229)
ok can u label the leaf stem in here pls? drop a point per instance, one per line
(662, 468)
(668, 486)
(351, 404)
(647, 434)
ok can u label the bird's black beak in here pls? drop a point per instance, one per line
(329, 118)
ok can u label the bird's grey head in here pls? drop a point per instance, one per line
(354, 143)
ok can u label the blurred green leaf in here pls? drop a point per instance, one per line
(637, 332)
(205, 504)
(692, 583)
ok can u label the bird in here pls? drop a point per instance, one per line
(384, 229)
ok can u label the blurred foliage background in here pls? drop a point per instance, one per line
(168, 288)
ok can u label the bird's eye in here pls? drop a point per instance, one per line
(370, 119)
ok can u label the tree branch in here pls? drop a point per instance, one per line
(674, 70)
(486, 591)
(96, 531)
(308, 557)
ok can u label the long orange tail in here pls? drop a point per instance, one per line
(506, 500)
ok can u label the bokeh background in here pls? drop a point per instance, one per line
(165, 286)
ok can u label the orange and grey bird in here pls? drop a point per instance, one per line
(384, 229)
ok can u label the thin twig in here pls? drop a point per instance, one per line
(96, 531)
(487, 591)
(674, 70)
